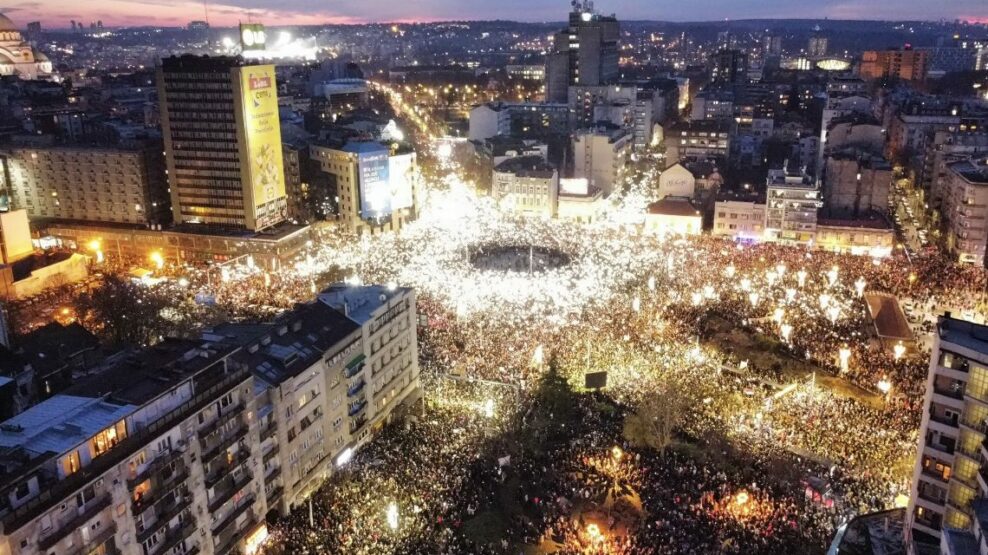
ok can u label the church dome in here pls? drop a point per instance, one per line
(6, 25)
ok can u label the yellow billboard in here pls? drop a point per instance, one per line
(262, 133)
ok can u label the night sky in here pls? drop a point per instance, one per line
(58, 13)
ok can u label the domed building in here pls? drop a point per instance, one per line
(18, 57)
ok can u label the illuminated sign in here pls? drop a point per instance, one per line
(255, 539)
(262, 132)
(252, 36)
(375, 186)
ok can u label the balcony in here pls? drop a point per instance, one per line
(357, 407)
(224, 469)
(159, 490)
(270, 454)
(227, 414)
(92, 509)
(940, 448)
(230, 519)
(355, 388)
(222, 446)
(104, 539)
(269, 430)
(174, 536)
(164, 514)
(952, 422)
(948, 392)
(234, 486)
(153, 467)
(357, 423)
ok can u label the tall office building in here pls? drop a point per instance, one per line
(585, 53)
(729, 66)
(817, 46)
(947, 501)
(222, 136)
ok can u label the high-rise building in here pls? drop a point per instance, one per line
(817, 46)
(906, 64)
(729, 66)
(585, 53)
(772, 45)
(222, 136)
(948, 491)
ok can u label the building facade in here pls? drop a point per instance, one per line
(947, 481)
(219, 117)
(526, 185)
(112, 185)
(585, 53)
(601, 155)
(965, 210)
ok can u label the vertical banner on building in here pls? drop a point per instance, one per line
(263, 137)
(375, 187)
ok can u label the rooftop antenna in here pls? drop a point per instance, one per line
(205, 10)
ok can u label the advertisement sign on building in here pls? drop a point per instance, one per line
(375, 186)
(263, 138)
(252, 36)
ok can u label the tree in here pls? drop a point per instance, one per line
(654, 421)
(122, 312)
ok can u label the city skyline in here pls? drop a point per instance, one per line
(56, 14)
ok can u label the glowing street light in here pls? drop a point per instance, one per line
(801, 277)
(781, 270)
(489, 408)
(746, 284)
(786, 330)
(696, 298)
(617, 453)
(824, 301)
(651, 283)
(636, 304)
(753, 297)
(538, 357)
(729, 271)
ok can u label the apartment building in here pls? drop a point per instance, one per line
(600, 155)
(125, 185)
(793, 200)
(965, 209)
(152, 456)
(185, 447)
(949, 486)
(739, 219)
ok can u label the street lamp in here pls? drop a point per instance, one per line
(885, 386)
(859, 286)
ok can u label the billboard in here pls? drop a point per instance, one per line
(375, 186)
(262, 133)
(401, 171)
(252, 36)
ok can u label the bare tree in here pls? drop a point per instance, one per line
(654, 421)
